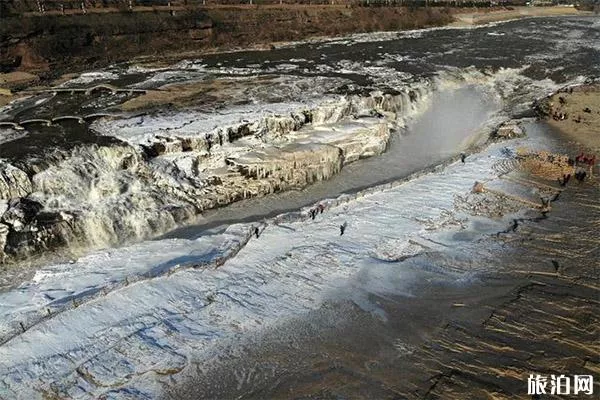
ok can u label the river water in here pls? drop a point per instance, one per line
(301, 311)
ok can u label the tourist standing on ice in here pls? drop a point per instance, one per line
(580, 175)
(343, 228)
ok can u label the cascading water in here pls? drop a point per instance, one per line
(261, 136)
(98, 196)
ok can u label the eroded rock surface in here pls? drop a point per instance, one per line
(104, 194)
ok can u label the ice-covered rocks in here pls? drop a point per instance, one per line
(396, 250)
(94, 196)
(162, 169)
(509, 130)
(360, 138)
(488, 204)
(294, 163)
(13, 181)
(25, 228)
(20, 212)
(3, 236)
(314, 153)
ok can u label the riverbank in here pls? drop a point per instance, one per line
(576, 113)
(55, 44)
(532, 303)
(486, 16)
(52, 45)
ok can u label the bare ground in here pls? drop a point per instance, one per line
(484, 16)
(576, 113)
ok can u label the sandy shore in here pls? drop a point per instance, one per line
(12, 80)
(485, 16)
(576, 113)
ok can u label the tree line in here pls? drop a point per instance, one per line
(12, 7)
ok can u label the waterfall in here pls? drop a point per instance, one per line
(97, 196)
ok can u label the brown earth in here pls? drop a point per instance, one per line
(190, 94)
(576, 113)
(14, 80)
(485, 15)
(55, 44)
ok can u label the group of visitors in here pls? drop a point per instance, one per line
(313, 214)
(317, 210)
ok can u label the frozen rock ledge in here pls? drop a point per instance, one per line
(97, 196)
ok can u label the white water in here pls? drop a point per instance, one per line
(107, 196)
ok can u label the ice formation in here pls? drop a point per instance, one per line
(166, 170)
(161, 169)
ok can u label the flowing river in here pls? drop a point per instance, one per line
(131, 264)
